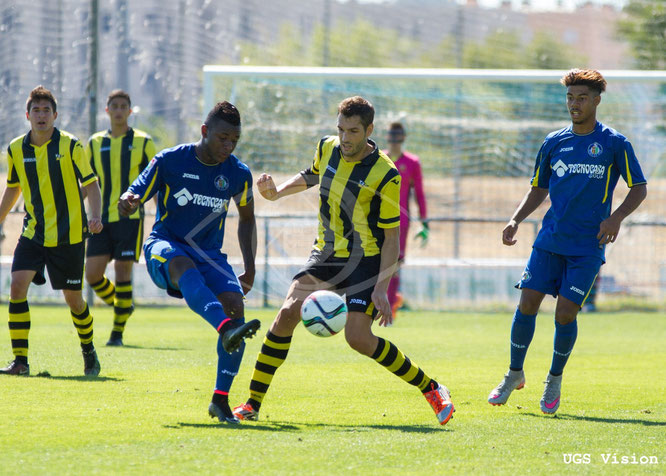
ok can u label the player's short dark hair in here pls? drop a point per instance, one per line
(118, 93)
(585, 77)
(357, 106)
(224, 111)
(39, 93)
(396, 126)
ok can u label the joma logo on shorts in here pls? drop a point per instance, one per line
(73, 281)
(357, 301)
(576, 290)
(127, 253)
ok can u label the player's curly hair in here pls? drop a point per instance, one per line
(224, 111)
(118, 93)
(585, 77)
(357, 106)
(39, 93)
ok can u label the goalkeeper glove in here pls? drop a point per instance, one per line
(423, 234)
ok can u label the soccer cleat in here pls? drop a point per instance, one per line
(550, 400)
(223, 414)
(246, 412)
(116, 339)
(91, 365)
(513, 380)
(114, 342)
(16, 368)
(440, 400)
(232, 339)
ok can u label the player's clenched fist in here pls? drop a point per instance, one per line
(127, 203)
(267, 187)
(95, 225)
(509, 232)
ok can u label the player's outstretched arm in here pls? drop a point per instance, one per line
(387, 267)
(269, 191)
(9, 198)
(610, 227)
(530, 202)
(247, 241)
(94, 197)
(127, 203)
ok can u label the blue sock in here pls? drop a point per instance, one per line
(201, 299)
(522, 331)
(565, 338)
(228, 364)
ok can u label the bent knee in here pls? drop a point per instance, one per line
(360, 343)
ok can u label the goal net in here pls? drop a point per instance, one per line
(477, 133)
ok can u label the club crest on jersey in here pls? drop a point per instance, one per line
(595, 149)
(221, 183)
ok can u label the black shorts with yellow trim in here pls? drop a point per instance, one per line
(64, 263)
(355, 276)
(121, 240)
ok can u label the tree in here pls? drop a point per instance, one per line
(645, 29)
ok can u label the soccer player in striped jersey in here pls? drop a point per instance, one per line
(194, 184)
(409, 166)
(117, 156)
(356, 252)
(579, 167)
(47, 165)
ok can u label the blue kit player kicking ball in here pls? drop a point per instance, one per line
(194, 185)
(578, 166)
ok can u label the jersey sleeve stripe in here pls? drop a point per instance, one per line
(88, 180)
(607, 183)
(388, 221)
(630, 181)
(150, 187)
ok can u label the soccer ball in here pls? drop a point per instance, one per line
(324, 313)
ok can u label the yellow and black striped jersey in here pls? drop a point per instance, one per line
(49, 177)
(117, 162)
(357, 200)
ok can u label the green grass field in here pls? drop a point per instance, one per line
(330, 410)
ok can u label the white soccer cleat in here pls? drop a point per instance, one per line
(550, 400)
(513, 380)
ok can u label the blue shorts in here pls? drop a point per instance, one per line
(568, 276)
(218, 275)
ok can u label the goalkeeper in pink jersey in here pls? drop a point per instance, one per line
(409, 167)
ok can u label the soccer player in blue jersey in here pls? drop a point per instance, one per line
(194, 184)
(579, 167)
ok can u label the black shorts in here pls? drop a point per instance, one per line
(355, 277)
(63, 262)
(121, 240)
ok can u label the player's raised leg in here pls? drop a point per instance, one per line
(276, 344)
(359, 336)
(227, 363)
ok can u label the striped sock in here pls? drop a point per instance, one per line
(122, 306)
(84, 326)
(105, 290)
(19, 327)
(397, 363)
(273, 353)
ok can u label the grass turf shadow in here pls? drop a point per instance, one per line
(297, 426)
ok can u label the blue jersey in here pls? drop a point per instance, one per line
(193, 197)
(580, 173)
